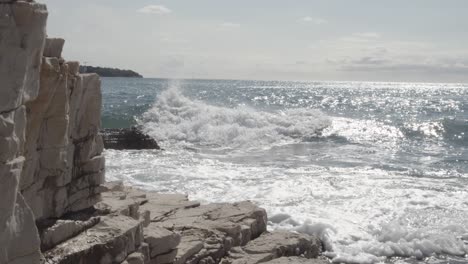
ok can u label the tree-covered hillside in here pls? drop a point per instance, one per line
(109, 72)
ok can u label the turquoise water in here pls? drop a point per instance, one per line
(378, 170)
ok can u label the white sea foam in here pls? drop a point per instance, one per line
(177, 118)
(337, 190)
(390, 240)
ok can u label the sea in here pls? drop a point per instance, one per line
(379, 171)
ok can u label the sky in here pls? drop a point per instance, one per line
(343, 40)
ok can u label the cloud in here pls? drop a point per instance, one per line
(155, 9)
(371, 35)
(230, 25)
(368, 60)
(317, 21)
(427, 66)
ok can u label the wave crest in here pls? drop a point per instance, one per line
(452, 130)
(175, 117)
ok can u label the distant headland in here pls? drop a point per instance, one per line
(109, 72)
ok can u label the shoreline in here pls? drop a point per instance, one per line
(56, 205)
(168, 228)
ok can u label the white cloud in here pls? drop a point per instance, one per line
(155, 9)
(317, 21)
(230, 25)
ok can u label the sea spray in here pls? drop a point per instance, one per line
(177, 118)
(384, 181)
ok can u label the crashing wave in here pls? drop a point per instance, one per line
(175, 117)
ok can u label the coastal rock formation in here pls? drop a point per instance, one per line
(50, 159)
(145, 227)
(22, 37)
(54, 205)
(127, 138)
(63, 165)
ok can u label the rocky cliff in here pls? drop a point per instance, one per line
(50, 159)
(22, 39)
(54, 204)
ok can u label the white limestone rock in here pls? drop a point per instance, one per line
(241, 221)
(63, 173)
(11, 140)
(22, 37)
(20, 240)
(270, 246)
(53, 47)
(284, 243)
(12, 126)
(22, 34)
(160, 240)
(37, 156)
(62, 230)
(73, 67)
(51, 79)
(47, 143)
(110, 241)
(125, 202)
(88, 103)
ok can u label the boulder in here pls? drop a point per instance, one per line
(127, 138)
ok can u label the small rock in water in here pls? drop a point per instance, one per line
(127, 138)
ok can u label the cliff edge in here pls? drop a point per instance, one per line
(55, 205)
(50, 159)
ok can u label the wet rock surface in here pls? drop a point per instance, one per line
(127, 138)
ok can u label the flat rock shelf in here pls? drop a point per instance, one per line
(132, 226)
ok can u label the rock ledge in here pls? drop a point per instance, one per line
(134, 226)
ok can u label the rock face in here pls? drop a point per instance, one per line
(54, 206)
(50, 150)
(64, 166)
(22, 37)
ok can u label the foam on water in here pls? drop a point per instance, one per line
(374, 190)
(362, 215)
(176, 118)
